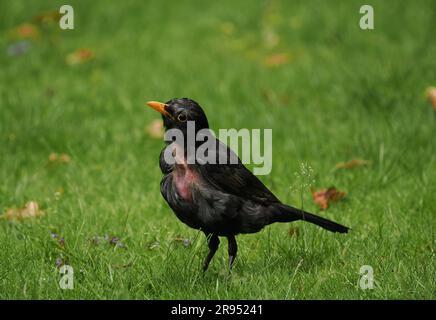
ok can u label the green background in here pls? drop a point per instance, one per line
(343, 93)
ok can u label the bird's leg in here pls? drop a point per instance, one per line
(233, 249)
(213, 242)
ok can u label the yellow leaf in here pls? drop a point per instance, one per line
(64, 158)
(279, 59)
(59, 158)
(431, 96)
(352, 164)
(79, 56)
(30, 210)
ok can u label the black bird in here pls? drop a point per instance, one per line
(218, 199)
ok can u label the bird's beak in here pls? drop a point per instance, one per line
(159, 107)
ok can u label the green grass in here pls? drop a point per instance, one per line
(345, 94)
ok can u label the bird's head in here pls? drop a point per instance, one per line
(177, 112)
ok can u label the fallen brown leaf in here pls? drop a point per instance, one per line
(59, 158)
(30, 210)
(26, 31)
(352, 164)
(53, 157)
(79, 56)
(155, 129)
(47, 17)
(431, 96)
(324, 197)
(276, 60)
(64, 158)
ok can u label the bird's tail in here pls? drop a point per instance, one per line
(285, 213)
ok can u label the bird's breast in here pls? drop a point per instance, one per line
(184, 178)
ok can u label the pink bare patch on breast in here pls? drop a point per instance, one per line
(183, 180)
(183, 175)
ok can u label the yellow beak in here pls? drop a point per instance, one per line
(158, 106)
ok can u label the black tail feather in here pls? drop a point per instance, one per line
(285, 213)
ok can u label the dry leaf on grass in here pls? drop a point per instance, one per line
(279, 59)
(352, 164)
(79, 56)
(324, 197)
(48, 17)
(64, 158)
(30, 210)
(431, 96)
(155, 129)
(26, 31)
(59, 158)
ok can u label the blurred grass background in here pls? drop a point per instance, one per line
(330, 91)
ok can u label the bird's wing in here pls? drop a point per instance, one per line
(235, 178)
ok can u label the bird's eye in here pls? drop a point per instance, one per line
(182, 117)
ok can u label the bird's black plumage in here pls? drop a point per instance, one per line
(219, 199)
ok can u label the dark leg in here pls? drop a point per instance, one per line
(213, 242)
(233, 249)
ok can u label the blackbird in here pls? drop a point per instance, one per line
(220, 199)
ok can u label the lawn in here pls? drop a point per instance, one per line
(329, 91)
